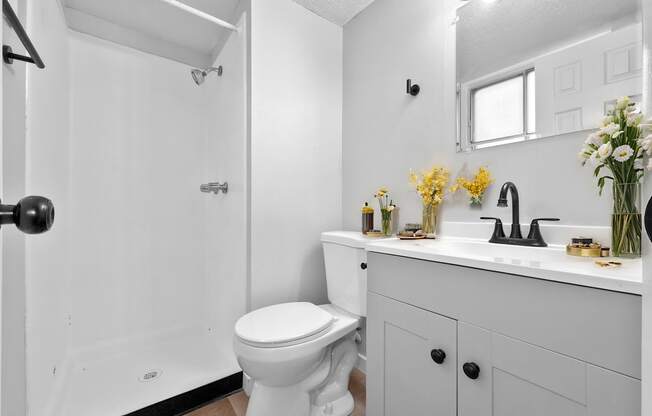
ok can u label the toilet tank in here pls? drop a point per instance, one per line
(346, 275)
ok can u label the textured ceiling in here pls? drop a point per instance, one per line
(337, 11)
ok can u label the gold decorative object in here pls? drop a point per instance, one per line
(593, 250)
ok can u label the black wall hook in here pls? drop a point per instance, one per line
(413, 89)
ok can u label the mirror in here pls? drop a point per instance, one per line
(529, 69)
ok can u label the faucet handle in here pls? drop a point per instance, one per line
(536, 220)
(498, 220)
(535, 231)
(498, 228)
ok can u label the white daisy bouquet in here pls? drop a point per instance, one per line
(618, 152)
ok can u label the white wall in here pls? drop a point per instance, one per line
(387, 133)
(295, 149)
(47, 174)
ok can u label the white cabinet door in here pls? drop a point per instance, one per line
(507, 377)
(406, 375)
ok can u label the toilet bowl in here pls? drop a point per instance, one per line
(298, 355)
(286, 373)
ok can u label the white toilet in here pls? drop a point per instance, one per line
(298, 355)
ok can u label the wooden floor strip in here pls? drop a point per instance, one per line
(236, 404)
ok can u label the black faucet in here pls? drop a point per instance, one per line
(534, 238)
(502, 202)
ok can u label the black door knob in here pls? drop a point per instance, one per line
(32, 214)
(438, 356)
(648, 219)
(472, 370)
(363, 266)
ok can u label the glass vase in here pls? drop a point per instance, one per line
(386, 221)
(429, 220)
(626, 225)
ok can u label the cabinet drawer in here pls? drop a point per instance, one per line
(596, 326)
(404, 345)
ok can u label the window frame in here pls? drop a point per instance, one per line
(523, 135)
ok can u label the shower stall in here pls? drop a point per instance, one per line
(131, 298)
(188, 149)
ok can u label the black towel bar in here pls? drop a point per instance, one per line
(7, 53)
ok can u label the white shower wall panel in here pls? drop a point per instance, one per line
(137, 136)
(225, 160)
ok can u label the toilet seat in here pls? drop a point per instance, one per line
(283, 325)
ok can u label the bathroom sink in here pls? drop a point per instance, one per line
(550, 263)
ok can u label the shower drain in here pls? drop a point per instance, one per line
(150, 375)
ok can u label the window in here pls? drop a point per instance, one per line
(503, 111)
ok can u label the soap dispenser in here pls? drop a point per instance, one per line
(367, 218)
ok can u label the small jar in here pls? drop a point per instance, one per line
(367, 218)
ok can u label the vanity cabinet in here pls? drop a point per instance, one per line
(514, 345)
(419, 365)
(516, 378)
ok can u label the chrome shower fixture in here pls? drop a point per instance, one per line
(214, 187)
(199, 75)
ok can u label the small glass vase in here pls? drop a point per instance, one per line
(429, 220)
(386, 221)
(626, 225)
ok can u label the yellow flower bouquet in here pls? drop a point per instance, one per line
(431, 187)
(475, 187)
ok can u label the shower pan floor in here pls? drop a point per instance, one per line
(128, 382)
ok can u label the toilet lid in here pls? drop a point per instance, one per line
(283, 323)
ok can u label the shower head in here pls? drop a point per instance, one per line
(199, 75)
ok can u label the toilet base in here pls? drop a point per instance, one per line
(340, 407)
(324, 393)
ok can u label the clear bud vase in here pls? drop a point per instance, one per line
(429, 220)
(626, 225)
(386, 221)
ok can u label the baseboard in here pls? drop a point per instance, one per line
(361, 364)
(192, 399)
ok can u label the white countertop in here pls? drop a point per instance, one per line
(550, 263)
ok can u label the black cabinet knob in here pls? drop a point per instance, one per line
(438, 356)
(32, 214)
(472, 370)
(363, 266)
